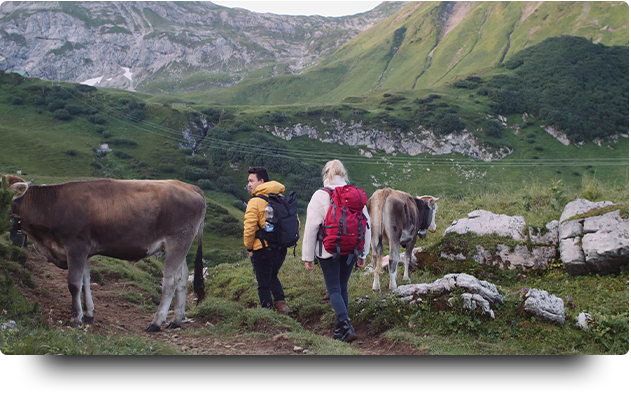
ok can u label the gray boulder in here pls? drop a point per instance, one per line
(548, 308)
(538, 254)
(595, 244)
(478, 293)
(580, 206)
(483, 222)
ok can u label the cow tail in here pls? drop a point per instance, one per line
(198, 279)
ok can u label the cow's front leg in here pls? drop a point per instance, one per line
(87, 294)
(76, 264)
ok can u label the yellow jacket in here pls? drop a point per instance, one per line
(255, 213)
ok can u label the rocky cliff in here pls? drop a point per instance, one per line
(161, 45)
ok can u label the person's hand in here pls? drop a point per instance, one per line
(361, 262)
(309, 265)
(251, 254)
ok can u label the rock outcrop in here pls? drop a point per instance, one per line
(538, 253)
(593, 244)
(586, 241)
(393, 141)
(126, 44)
(478, 293)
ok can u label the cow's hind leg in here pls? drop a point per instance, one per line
(377, 254)
(87, 294)
(395, 258)
(407, 260)
(180, 298)
(76, 264)
(175, 255)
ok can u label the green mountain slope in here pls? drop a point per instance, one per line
(427, 44)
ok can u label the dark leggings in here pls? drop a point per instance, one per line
(336, 275)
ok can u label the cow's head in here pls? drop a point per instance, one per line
(18, 186)
(430, 203)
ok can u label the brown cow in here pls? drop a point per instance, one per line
(397, 219)
(123, 219)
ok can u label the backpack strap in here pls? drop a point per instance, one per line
(321, 233)
(260, 237)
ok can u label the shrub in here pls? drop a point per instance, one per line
(277, 117)
(448, 124)
(97, 119)
(62, 114)
(400, 123)
(493, 128)
(465, 84)
(123, 142)
(17, 101)
(56, 105)
(137, 115)
(121, 154)
(193, 173)
(38, 100)
(196, 161)
(239, 205)
(205, 184)
(74, 109)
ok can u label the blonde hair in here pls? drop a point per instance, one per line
(331, 169)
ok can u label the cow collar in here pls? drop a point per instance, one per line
(424, 222)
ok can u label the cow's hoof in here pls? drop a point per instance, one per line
(87, 319)
(173, 326)
(153, 328)
(76, 322)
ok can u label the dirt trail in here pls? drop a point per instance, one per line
(114, 314)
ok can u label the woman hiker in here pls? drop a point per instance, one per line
(336, 266)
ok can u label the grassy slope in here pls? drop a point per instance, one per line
(478, 43)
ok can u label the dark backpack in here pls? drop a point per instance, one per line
(344, 229)
(285, 221)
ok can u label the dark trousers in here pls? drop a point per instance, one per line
(266, 264)
(336, 275)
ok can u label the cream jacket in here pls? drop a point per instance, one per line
(316, 212)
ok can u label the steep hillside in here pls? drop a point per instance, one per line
(166, 46)
(427, 44)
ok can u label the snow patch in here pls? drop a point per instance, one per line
(93, 81)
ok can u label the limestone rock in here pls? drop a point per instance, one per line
(596, 244)
(520, 257)
(582, 320)
(483, 222)
(549, 238)
(478, 293)
(580, 206)
(546, 307)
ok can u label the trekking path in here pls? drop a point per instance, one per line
(114, 314)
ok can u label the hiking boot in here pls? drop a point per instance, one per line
(281, 307)
(344, 332)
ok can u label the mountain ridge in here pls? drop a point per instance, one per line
(211, 45)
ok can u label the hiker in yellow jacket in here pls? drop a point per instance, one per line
(267, 260)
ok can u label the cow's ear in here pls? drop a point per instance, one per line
(19, 189)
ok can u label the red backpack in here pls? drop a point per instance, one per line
(344, 229)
